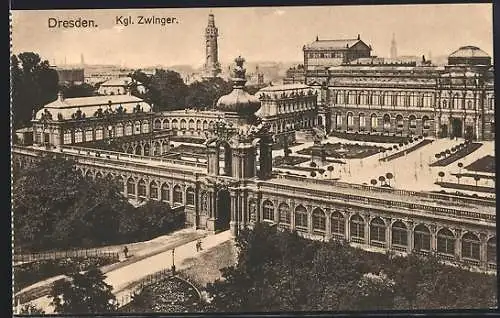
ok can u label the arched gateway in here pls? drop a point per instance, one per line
(236, 137)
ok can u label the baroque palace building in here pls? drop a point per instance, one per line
(242, 188)
(390, 96)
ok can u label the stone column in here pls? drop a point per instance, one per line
(233, 224)
(483, 251)
(328, 232)
(212, 204)
(458, 244)
(388, 234)
(367, 229)
(276, 212)
(244, 210)
(347, 224)
(411, 237)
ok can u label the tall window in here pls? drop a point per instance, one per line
(357, 227)
(191, 124)
(362, 121)
(120, 184)
(88, 135)
(350, 120)
(284, 212)
(141, 188)
(190, 196)
(178, 194)
(446, 242)
(374, 121)
(98, 134)
(301, 217)
(377, 230)
(413, 121)
(166, 124)
(128, 129)
(339, 119)
(119, 130)
(425, 122)
(145, 126)
(137, 127)
(268, 211)
(183, 124)
(165, 193)
(399, 122)
(470, 246)
(67, 137)
(319, 220)
(399, 233)
(491, 250)
(387, 122)
(157, 124)
(337, 223)
(175, 124)
(153, 191)
(422, 238)
(131, 187)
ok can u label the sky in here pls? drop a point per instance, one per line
(257, 34)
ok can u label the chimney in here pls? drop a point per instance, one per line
(60, 96)
(358, 37)
(317, 38)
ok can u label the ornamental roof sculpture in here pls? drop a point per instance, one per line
(239, 101)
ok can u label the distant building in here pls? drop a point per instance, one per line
(118, 86)
(68, 121)
(71, 76)
(295, 75)
(212, 66)
(322, 54)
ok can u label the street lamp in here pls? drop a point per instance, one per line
(173, 261)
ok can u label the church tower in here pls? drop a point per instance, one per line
(394, 51)
(212, 66)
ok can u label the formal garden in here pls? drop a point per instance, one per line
(484, 164)
(371, 137)
(449, 156)
(346, 151)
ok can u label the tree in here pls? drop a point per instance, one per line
(382, 180)
(204, 94)
(373, 182)
(477, 178)
(83, 293)
(441, 175)
(165, 89)
(389, 176)
(33, 84)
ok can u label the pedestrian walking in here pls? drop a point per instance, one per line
(125, 251)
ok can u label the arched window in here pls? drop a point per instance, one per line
(357, 227)
(98, 175)
(337, 223)
(88, 135)
(425, 122)
(153, 190)
(145, 126)
(374, 121)
(350, 120)
(191, 124)
(413, 121)
(284, 212)
(141, 188)
(128, 129)
(137, 127)
(362, 121)
(183, 124)
(205, 125)
(491, 250)
(469, 104)
(156, 149)
(177, 194)
(399, 234)
(174, 124)
(146, 150)
(470, 246)
(446, 242)
(190, 196)
(67, 137)
(387, 122)
(338, 119)
(78, 136)
(119, 130)
(198, 124)
(157, 124)
(301, 217)
(165, 193)
(319, 220)
(445, 104)
(120, 184)
(399, 122)
(268, 211)
(422, 238)
(98, 133)
(377, 230)
(166, 124)
(131, 187)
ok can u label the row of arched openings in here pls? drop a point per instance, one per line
(190, 124)
(386, 121)
(445, 239)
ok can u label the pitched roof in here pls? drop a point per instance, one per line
(332, 44)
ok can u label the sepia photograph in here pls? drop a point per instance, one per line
(300, 159)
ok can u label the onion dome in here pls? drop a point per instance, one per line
(238, 101)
